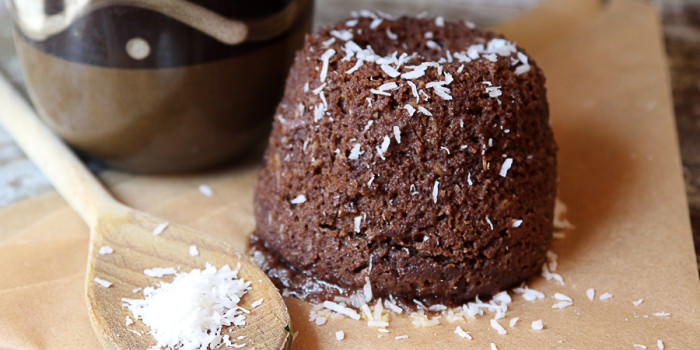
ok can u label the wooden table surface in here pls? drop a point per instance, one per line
(681, 22)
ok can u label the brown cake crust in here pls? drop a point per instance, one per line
(437, 220)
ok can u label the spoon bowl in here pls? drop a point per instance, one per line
(136, 248)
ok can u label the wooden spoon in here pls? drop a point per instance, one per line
(130, 233)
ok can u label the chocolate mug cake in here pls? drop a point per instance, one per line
(143, 86)
(411, 158)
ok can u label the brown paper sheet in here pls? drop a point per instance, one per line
(619, 172)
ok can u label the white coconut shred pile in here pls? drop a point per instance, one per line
(189, 312)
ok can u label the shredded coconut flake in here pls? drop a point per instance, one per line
(369, 124)
(344, 35)
(639, 346)
(414, 90)
(379, 92)
(324, 61)
(397, 134)
(497, 326)
(638, 302)
(388, 86)
(390, 71)
(493, 91)
(433, 45)
(128, 321)
(590, 294)
(193, 250)
(435, 191)
(355, 152)
(341, 309)
(505, 167)
(414, 74)
(423, 110)
(105, 249)
(384, 146)
(548, 275)
(399, 337)
(460, 332)
(102, 282)
(605, 296)
(493, 346)
(439, 21)
(339, 335)
(410, 109)
(206, 190)
(328, 42)
(358, 222)
(522, 69)
(660, 344)
(513, 322)
(661, 314)
(562, 297)
(298, 199)
(488, 220)
(390, 34)
(537, 325)
(159, 271)
(529, 294)
(160, 228)
(562, 305)
(257, 303)
(189, 312)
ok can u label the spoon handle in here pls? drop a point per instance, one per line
(66, 172)
(228, 31)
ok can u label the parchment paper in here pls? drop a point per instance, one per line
(620, 175)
